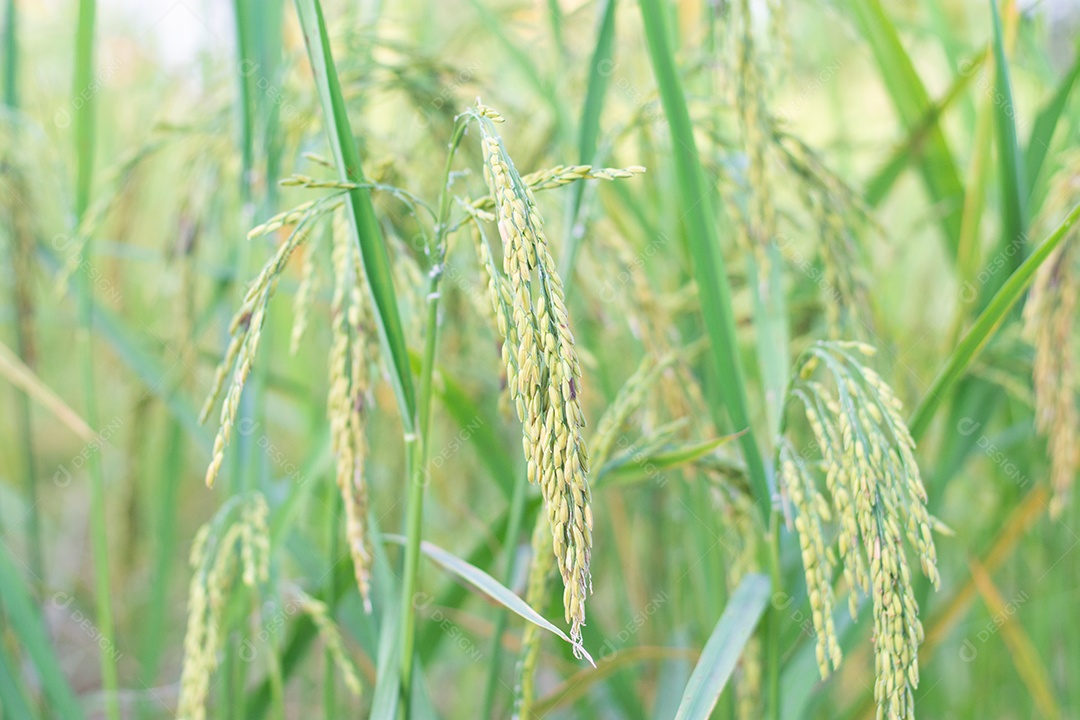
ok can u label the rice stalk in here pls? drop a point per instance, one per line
(875, 492)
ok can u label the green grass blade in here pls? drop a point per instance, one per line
(12, 699)
(373, 251)
(985, 326)
(703, 237)
(725, 645)
(911, 149)
(912, 103)
(1013, 187)
(488, 586)
(600, 69)
(25, 622)
(1046, 122)
(631, 468)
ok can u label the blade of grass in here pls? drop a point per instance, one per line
(912, 103)
(1046, 122)
(704, 239)
(489, 586)
(600, 69)
(365, 226)
(984, 327)
(1013, 188)
(630, 468)
(12, 699)
(914, 144)
(84, 104)
(27, 625)
(725, 646)
(23, 378)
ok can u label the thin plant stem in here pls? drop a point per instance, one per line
(417, 450)
(84, 142)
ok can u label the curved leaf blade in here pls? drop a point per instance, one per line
(725, 645)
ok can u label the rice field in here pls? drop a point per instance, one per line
(578, 359)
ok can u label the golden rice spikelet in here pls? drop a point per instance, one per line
(548, 375)
(331, 636)
(214, 555)
(876, 498)
(346, 404)
(1050, 319)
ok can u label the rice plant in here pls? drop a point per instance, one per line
(557, 360)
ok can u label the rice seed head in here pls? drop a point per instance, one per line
(350, 358)
(547, 378)
(1050, 326)
(331, 636)
(239, 532)
(876, 499)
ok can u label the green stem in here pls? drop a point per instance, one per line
(773, 624)
(83, 103)
(417, 444)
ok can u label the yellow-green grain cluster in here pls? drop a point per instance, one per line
(218, 546)
(543, 374)
(331, 636)
(350, 360)
(877, 498)
(1050, 316)
(1050, 325)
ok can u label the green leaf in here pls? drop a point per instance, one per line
(1013, 187)
(490, 587)
(373, 251)
(630, 467)
(1042, 132)
(600, 69)
(912, 147)
(25, 622)
(724, 647)
(703, 237)
(12, 699)
(912, 103)
(985, 326)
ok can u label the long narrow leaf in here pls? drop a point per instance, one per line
(724, 647)
(912, 103)
(600, 70)
(1042, 132)
(25, 622)
(985, 326)
(373, 252)
(1013, 187)
(703, 237)
(490, 587)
